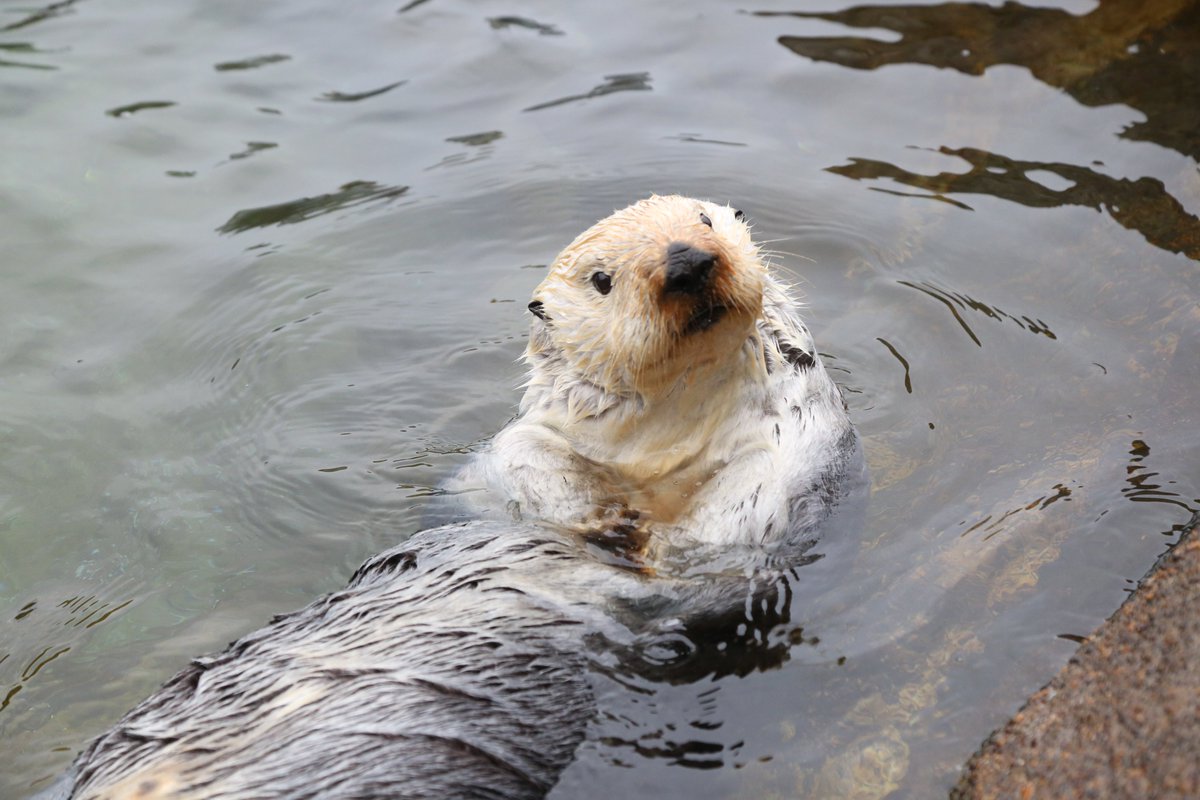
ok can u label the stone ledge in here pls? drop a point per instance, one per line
(1122, 719)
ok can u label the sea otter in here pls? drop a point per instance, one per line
(669, 376)
(676, 413)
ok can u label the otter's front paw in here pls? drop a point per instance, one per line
(618, 535)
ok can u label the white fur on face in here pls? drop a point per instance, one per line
(634, 339)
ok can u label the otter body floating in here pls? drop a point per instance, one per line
(676, 410)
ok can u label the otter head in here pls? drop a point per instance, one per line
(667, 287)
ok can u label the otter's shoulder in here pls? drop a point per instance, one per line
(787, 341)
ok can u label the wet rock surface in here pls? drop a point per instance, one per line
(1122, 719)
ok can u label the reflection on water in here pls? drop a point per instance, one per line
(251, 63)
(903, 362)
(1142, 490)
(22, 48)
(678, 655)
(203, 428)
(354, 97)
(631, 82)
(477, 139)
(957, 301)
(698, 139)
(989, 527)
(500, 23)
(352, 194)
(32, 17)
(1142, 205)
(133, 108)
(40, 639)
(1143, 55)
(251, 149)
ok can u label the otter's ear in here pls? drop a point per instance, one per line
(538, 310)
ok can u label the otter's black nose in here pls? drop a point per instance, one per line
(688, 269)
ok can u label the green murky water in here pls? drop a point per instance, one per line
(262, 283)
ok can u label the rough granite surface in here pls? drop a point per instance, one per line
(1122, 719)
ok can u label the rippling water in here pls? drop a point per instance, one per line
(263, 281)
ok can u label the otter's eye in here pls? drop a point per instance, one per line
(602, 281)
(704, 218)
(738, 215)
(537, 309)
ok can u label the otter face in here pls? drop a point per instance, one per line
(667, 285)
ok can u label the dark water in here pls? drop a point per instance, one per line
(262, 286)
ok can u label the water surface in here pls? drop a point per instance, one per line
(263, 282)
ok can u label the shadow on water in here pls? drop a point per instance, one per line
(1145, 56)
